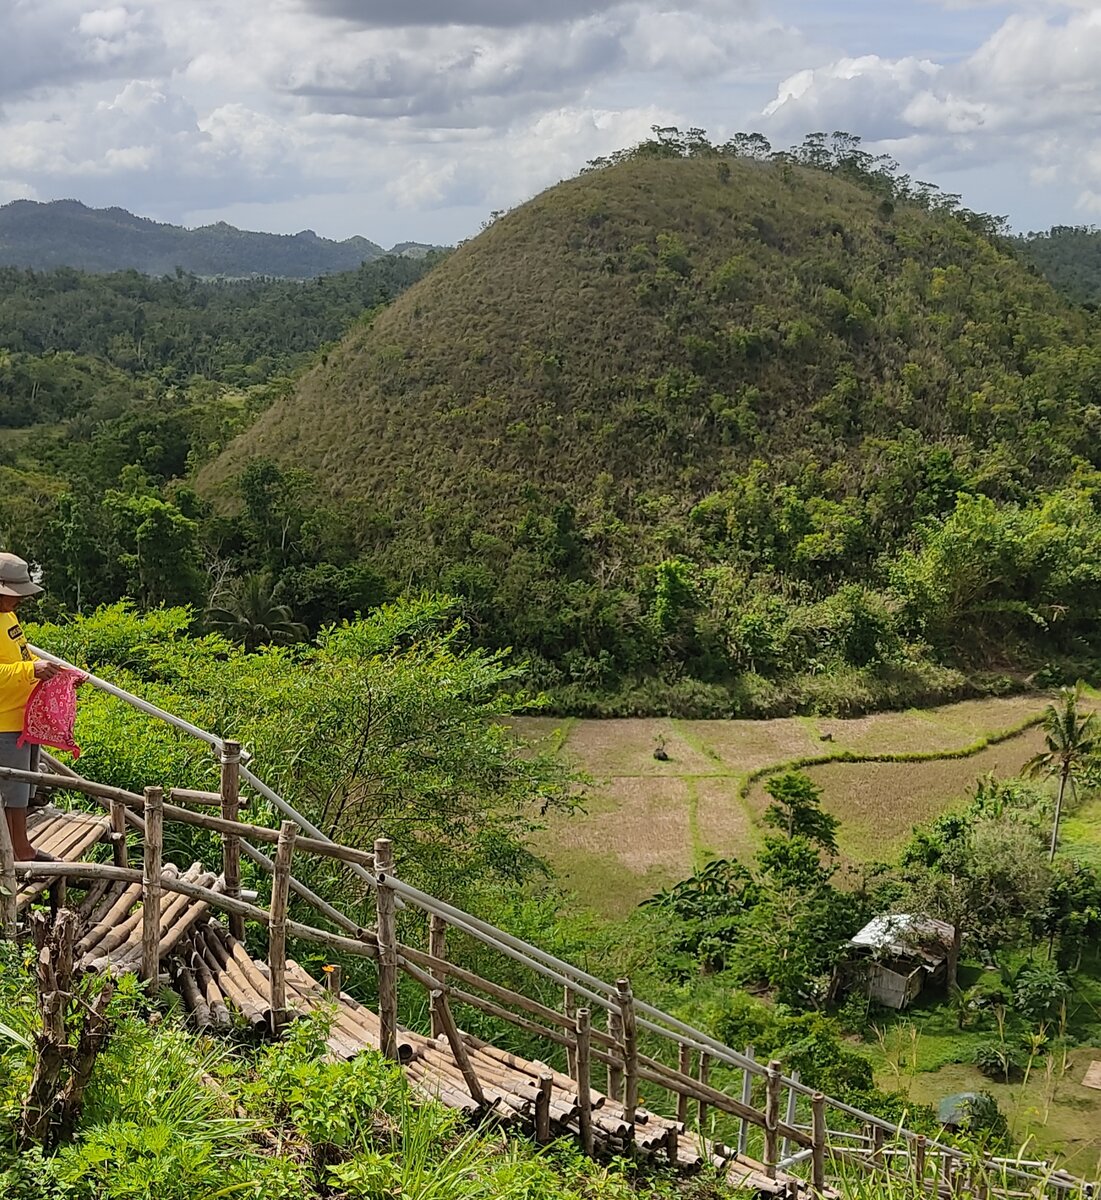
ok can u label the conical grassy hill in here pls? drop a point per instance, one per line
(681, 421)
(662, 322)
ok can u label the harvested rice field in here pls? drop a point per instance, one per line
(648, 823)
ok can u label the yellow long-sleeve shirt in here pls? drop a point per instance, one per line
(16, 674)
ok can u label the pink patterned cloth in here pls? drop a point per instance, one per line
(51, 713)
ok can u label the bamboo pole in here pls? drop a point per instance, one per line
(789, 1115)
(119, 850)
(652, 1071)
(569, 1011)
(333, 980)
(703, 1076)
(583, 1073)
(630, 1049)
(507, 995)
(437, 948)
(9, 903)
(772, 1117)
(82, 870)
(747, 1100)
(615, 1068)
(818, 1146)
(230, 799)
(458, 1049)
(191, 796)
(151, 888)
(277, 933)
(919, 1161)
(387, 950)
(303, 892)
(684, 1065)
(542, 1110)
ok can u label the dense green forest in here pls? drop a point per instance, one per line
(114, 388)
(709, 429)
(66, 233)
(1069, 258)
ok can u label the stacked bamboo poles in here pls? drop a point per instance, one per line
(112, 940)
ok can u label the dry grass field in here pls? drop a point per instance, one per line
(647, 823)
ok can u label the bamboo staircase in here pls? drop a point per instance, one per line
(185, 929)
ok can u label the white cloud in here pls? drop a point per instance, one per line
(1029, 94)
(427, 106)
(16, 189)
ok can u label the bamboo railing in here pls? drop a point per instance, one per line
(797, 1129)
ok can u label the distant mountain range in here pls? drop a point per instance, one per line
(66, 233)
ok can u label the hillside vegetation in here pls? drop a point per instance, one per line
(713, 433)
(66, 233)
(1069, 258)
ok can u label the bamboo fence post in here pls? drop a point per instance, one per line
(277, 930)
(684, 1065)
(747, 1100)
(569, 1011)
(59, 895)
(615, 1069)
(437, 948)
(818, 1144)
(789, 1115)
(584, 1092)
(458, 1049)
(877, 1145)
(630, 1048)
(119, 850)
(333, 979)
(542, 1109)
(702, 1075)
(231, 844)
(387, 951)
(9, 913)
(919, 1161)
(151, 888)
(772, 1117)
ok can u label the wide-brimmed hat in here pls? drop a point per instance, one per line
(15, 577)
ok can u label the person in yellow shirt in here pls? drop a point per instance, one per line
(19, 672)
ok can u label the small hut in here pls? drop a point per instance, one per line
(896, 954)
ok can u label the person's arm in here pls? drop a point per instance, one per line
(17, 673)
(23, 674)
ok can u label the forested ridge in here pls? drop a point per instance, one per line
(1069, 258)
(66, 233)
(708, 429)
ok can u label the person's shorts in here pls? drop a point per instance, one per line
(13, 792)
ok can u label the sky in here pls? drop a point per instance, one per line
(414, 119)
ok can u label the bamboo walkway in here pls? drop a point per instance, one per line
(186, 928)
(64, 835)
(223, 987)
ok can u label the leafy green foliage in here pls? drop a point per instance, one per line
(1069, 258)
(1071, 739)
(796, 810)
(387, 725)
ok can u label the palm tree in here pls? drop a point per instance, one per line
(249, 614)
(1071, 737)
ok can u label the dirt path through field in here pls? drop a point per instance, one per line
(649, 823)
